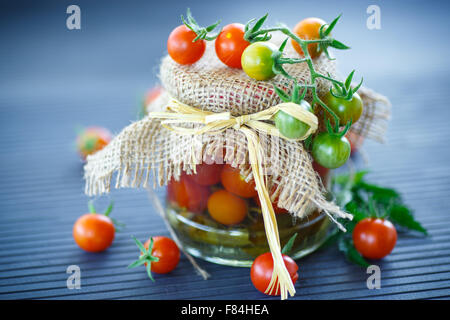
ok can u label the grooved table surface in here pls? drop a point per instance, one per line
(54, 80)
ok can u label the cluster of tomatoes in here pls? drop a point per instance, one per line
(329, 148)
(256, 59)
(220, 190)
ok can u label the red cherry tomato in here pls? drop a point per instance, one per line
(374, 238)
(168, 253)
(308, 29)
(262, 269)
(226, 208)
(182, 49)
(187, 194)
(207, 174)
(93, 232)
(235, 183)
(92, 139)
(230, 44)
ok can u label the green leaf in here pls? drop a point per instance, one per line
(402, 216)
(287, 248)
(338, 45)
(282, 94)
(259, 23)
(348, 81)
(352, 255)
(331, 26)
(137, 263)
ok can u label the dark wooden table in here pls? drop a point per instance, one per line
(53, 80)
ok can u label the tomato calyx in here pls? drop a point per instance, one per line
(290, 126)
(146, 257)
(324, 33)
(117, 225)
(201, 32)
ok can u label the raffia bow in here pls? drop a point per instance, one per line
(179, 113)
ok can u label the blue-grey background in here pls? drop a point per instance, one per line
(53, 80)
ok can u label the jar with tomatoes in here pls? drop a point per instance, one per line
(216, 214)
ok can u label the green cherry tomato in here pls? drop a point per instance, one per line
(257, 61)
(346, 110)
(330, 151)
(291, 127)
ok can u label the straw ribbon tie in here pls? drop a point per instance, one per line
(180, 113)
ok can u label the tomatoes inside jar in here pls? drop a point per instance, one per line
(216, 214)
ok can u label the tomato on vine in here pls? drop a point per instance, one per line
(94, 232)
(182, 48)
(262, 270)
(230, 44)
(159, 254)
(330, 150)
(308, 29)
(374, 238)
(345, 110)
(257, 60)
(227, 208)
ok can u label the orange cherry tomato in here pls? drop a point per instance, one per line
(262, 269)
(235, 183)
(91, 140)
(187, 194)
(182, 49)
(230, 44)
(226, 208)
(93, 232)
(168, 253)
(207, 174)
(308, 29)
(374, 238)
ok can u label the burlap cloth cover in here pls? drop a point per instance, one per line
(145, 149)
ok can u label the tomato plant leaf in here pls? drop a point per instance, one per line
(287, 248)
(352, 255)
(402, 216)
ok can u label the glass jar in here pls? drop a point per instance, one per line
(216, 215)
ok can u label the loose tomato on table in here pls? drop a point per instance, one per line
(257, 60)
(262, 270)
(94, 232)
(230, 44)
(374, 238)
(308, 29)
(330, 150)
(234, 182)
(181, 48)
(227, 208)
(159, 254)
(345, 110)
(92, 139)
(188, 194)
